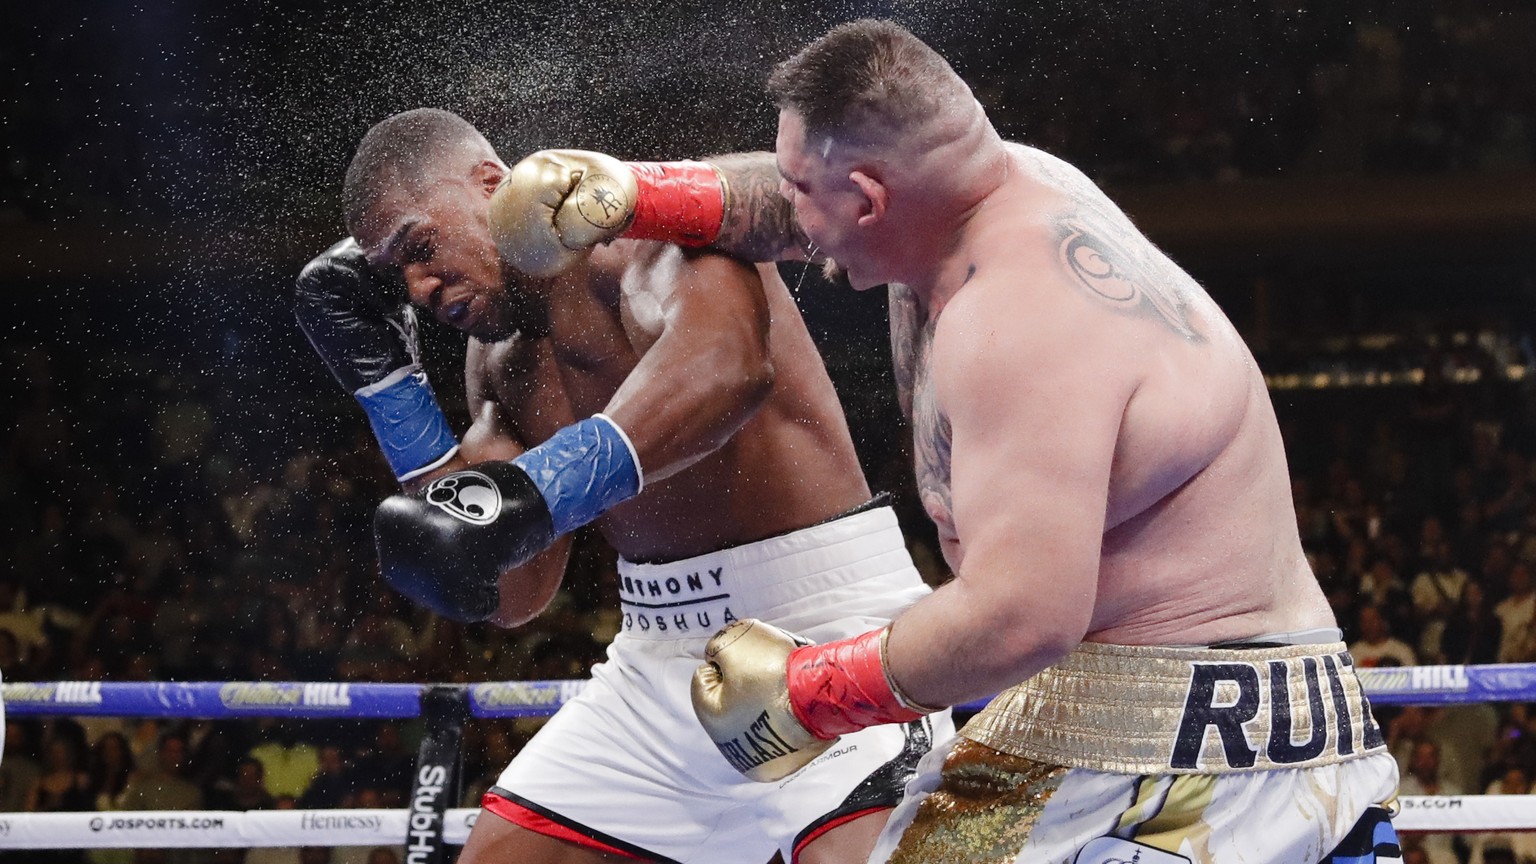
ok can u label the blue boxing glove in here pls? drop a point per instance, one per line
(447, 545)
(362, 327)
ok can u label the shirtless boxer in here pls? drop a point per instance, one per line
(1100, 455)
(753, 502)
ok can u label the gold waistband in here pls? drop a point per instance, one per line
(1155, 710)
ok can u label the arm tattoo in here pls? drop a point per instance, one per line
(759, 222)
(906, 323)
(1104, 253)
(932, 436)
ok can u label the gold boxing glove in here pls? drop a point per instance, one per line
(741, 696)
(555, 205)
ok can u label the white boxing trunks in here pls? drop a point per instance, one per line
(626, 768)
(1160, 756)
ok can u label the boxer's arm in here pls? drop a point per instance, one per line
(759, 223)
(495, 436)
(553, 207)
(1034, 417)
(357, 320)
(709, 368)
(701, 377)
(1034, 413)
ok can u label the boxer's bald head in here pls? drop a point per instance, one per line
(402, 156)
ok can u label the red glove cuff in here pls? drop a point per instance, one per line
(679, 202)
(842, 687)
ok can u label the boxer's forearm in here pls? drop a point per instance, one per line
(963, 643)
(759, 223)
(717, 329)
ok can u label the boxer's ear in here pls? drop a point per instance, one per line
(875, 198)
(487, 175)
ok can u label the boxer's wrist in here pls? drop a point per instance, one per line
(844, 686)
(677, 202)
(411, 429)
(583, 470)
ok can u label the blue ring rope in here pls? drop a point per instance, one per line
(1407, 685)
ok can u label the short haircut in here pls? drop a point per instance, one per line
(861, 74)
(399, 151)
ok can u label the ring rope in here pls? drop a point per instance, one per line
(423, 826)
(215, 700)
(207, 829)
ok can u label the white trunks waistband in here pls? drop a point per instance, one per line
(1158, 710)
(695, 597)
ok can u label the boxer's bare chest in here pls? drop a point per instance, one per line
(572, 371)
(591, 350)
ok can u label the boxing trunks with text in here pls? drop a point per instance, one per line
(626, 767)
(1159, 755)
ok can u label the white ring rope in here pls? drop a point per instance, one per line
(206, 829)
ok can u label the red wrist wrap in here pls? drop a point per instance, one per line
(842, 687)
(679, 202)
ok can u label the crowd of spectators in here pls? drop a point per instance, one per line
(1261, 89)
(141, 547)
(153, 533)
(148, 546)
(112, 109)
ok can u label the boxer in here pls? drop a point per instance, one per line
(1098, 450)
(674, 400)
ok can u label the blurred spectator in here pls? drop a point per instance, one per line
(277, 854)
(63, 785)
(1520, 846)
(1472, 631)
(1406, 731)
(1376, 645)
(163, 787)
(288, 762)
(111, 766)
(1437, 587)
(1517, 612)
(387, 765)
(248, 792)
(1382, 587)
(1423, 778)
(19, 770)
(330, 786)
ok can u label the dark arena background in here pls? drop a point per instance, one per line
(187, 493)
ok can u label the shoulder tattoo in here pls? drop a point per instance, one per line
(1106, 262)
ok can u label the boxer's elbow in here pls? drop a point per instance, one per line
(1033, 629)
(515, 610)
(741, 345)
(743, 370)
(754, 382)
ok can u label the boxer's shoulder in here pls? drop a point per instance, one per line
(492, 367)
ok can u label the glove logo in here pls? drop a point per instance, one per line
(600, 201)
(466, 495)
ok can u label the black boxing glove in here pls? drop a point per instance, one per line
(362, 327)
(447, 545)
